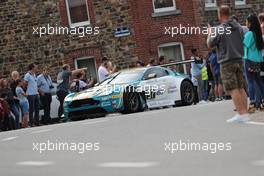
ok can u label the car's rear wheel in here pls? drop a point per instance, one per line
(131, 102)
(187, 93)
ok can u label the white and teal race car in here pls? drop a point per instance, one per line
(131, 91)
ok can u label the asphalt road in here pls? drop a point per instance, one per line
(138, 145)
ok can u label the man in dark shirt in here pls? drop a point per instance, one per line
(230, 50)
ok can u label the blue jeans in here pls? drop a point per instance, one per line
(205, 90)
(255, 86)
(33, 101)
(14, 109)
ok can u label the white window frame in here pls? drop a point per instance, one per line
(174, 44)
(86, 58)
(240, 2)
(166, 9)
(210, 4)
(84, 23)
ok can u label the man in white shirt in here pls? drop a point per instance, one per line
(102, 70)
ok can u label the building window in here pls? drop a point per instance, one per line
(163, 5)
(78, 14)
(90, 64)
(210, 3)
(240, 2)
(173, 52)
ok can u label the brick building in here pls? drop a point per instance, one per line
(128, 30)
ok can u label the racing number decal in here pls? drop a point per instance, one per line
(150, 94)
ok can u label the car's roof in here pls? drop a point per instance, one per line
(138, 69)
(134, 69)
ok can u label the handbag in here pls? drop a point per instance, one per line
(262, 65)
(254, 67)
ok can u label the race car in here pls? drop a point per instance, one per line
(131, 91)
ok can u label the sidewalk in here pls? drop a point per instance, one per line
(257, 116)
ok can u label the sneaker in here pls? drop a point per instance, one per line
(217, 99)
(261, 108)
(252, 108)
(239, 119)
(203, 102)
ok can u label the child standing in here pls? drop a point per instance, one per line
(23, 101)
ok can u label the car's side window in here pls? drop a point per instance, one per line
(160, 72)
(155, 73)
(147, 73)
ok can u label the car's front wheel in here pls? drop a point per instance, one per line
(187, 93)
(131, 102)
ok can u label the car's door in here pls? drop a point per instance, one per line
(165, 82)
(156, 82)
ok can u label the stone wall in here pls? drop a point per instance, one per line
(19, 47)
(241, 11)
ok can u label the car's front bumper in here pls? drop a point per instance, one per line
(98, 107)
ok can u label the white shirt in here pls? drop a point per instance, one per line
(102, 73)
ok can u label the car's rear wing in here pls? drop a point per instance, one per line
(177, 63)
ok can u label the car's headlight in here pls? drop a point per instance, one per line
(69, 97)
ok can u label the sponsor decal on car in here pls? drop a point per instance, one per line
(172, 89)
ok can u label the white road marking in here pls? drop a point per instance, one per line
(94, 122)
(128, 164)
(35, 163)
(41, 131)
(254, 123)
(258, 163)
(9, 139)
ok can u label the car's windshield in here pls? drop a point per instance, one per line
(123, 77)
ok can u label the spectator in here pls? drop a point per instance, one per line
(78, 84)
(253, 45)
(161, 60)
(111, 68)
(140, 63)
(63, 87)
(13, 84)
(261, 19)
(33, 94)
(15, 76)
(230, 53)
(152, 62)
(195, 84)
(211, 85)
(205, 78)
(23, 101)
(89, 81)
(102, 70)
(45, 86)
(6, 121)
(196, 73)
(215, 68)
(7, 95)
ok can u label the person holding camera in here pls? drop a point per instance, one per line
(45, 86)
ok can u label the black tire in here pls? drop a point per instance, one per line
(187, 93)
(131, 102)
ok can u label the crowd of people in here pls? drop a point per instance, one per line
(240, 55)
(21, 98)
